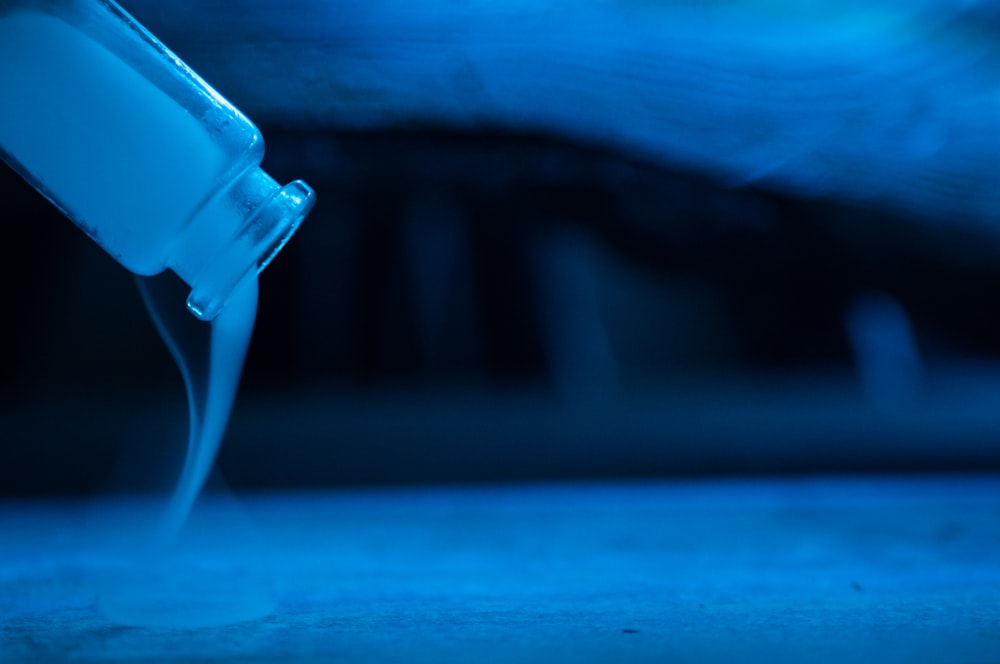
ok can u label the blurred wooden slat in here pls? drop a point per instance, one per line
(891, 105)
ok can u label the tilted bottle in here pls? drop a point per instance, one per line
(136, 149)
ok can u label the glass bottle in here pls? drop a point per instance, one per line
(136, 149)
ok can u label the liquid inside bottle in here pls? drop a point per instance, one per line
(126, 162)
(131, 145)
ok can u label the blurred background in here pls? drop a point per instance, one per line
(620, 252)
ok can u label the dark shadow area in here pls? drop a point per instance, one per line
(490, 306)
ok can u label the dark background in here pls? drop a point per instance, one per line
(484, 304)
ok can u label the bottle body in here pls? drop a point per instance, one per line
(133, 147)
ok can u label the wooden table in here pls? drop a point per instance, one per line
(817, 569)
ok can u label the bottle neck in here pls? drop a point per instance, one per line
(236, 234)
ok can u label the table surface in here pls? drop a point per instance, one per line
(818, 569)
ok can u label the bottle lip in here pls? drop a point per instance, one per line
(261, 236)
